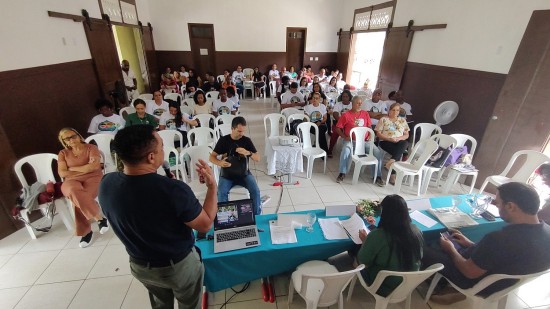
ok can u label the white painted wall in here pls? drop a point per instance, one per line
(247, 25)
(480, 35)
(31, 38)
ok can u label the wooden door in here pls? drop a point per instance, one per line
(343, 54)
(102, 46)
(150, 58)
(295, 47)
(520, 117)
(394, 59)
(203, 48)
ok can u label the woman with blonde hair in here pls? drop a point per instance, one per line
(79, 164)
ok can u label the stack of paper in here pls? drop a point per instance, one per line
(333, 228)
(282, 234)
(452, 218)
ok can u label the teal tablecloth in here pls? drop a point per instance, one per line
(227, 269)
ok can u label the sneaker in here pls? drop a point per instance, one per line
(85, 241)
(103, 226)
(379, 182)
(447, 297)
(340, 178)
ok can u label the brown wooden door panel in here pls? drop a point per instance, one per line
(295, 47)
(394, 59)
(342, 55)
(104, 55)
(201, 37)
(150, 58)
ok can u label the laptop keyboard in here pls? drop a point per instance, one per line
(235, 235)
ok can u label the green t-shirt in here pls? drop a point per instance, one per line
(133, 119)
(375, 254)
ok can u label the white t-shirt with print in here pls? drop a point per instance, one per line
(378, 107)
(289, 97)
(169, 121)
(237, 77)
(156, 110)
(315, 113)
(235, 100)
(107, 125)
(223, 108)
(340, 108)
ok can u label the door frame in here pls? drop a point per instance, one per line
(286, 45)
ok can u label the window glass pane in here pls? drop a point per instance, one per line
(380, 18)
(201, 32)
(362, 21)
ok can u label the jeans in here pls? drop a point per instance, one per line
(240, 88)
(182, 280)
(225, 185)
(345, 156)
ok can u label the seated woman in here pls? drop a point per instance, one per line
(317, 113)
(106, 121)
(292, 73)
(316, 88)
(228, 82)
(201, 107)
(331, 87)
(80, 166)
(259, 81)
(393, 132)
(303, 86)
(338, 110)
(395, 245)
(176, 120)
(140, 116)
(193, 82)
(168, 82)
(283, 87)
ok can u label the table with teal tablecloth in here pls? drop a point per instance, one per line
(227, 269)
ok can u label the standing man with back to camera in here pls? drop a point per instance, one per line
(154, 217)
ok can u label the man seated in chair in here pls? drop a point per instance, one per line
(235, 150)
(355, 117)
(522, 247)
(292, 98)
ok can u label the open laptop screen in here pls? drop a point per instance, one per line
(234, 214)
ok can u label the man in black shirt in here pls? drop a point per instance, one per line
(522, 247)
(154, 217)
(237, 149)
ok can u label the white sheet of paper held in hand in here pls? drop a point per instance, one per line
(282, 234)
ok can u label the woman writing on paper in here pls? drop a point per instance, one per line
(395, 245)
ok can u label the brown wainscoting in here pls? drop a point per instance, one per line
(425, 86)
(173, 59)
(230, 59)
(37, 102)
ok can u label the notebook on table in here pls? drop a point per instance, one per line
(235, 226)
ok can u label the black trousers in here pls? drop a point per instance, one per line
(322, 136)
(396, 150)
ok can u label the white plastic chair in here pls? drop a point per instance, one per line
(426, 130)
(42, 165)
(187, 109)
(308, 150)
(220, 78)
(248, 72)
(145, 96)
(453, 175)
(222, 130)
(272, 90)
(411, 279)
(201, 136)
(189, 102)
(125, 111)
(332, 97)
(495, 300)
(274, 120)
(169, 137)
(103, 142)
(293, 117)
(173, 96)
(361, 92)
(191, 156)
(212, 95)
(359, 157)
(320, 284)
(290, 111)
(443, 141)
(413, 166)
(204, 119)
(227, 119)
(248, 85)
(533, 159)
(175, 168)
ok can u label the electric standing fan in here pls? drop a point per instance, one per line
(445, 112)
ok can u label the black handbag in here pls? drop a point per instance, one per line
(238, 168)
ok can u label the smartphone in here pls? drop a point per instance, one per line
(201, 235)
(450, 238)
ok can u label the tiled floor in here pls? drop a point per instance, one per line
(52, 272)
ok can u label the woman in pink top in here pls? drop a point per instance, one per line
(79, 164)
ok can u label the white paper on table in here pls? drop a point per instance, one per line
(420, 204)
(296, 221)
(282, 234)
(332, 229)
(423, 219)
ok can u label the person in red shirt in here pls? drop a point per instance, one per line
(356, 117)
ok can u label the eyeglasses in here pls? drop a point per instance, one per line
(66, 139)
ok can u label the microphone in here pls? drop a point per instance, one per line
(166, 168)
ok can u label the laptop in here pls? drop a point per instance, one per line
(235, 226)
